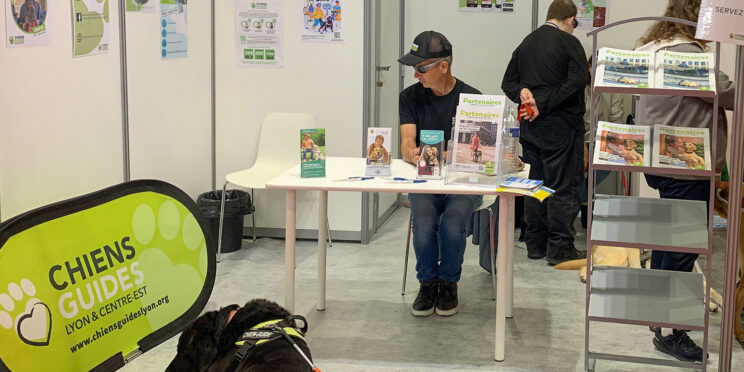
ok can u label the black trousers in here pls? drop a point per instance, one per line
(670, 188)
(554, 150)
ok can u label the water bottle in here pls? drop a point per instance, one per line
(509, 142)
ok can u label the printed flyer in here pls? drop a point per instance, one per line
(258, 33)
(25, 23)
(85, 279)
(322, 21)
(91, 27)
(500, 6)
(431, 153)
(592, 13)
(622, 144)
(378, 151)
(312, 152)
(173, 29)
(680, 147)
(142, 6)
(721, 20)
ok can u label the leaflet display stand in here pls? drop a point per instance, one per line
(640, 296)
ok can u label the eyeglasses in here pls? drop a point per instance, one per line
(575, 23)
(423, 69)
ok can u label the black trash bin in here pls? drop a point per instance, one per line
(237, 204)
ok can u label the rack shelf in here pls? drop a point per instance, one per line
(665, 224)
(654, 170)
(640, 296)
(657, 91)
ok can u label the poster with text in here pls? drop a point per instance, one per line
(721, 20)
(322, 20)
(258, 33)
(496, 6)
(144, 6)
(592, 13)
(91, 27)
(173, 29)
(97, 276)
(24, 23)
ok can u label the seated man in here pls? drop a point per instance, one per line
(439, 221)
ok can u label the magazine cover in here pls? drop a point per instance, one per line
(378, 151)
(676, 147)
(312, 152)
(624, 68)
(431, 151)
(476, 138)
(694, 71)
(622, 144)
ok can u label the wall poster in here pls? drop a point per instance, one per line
(258, 33)
(91, 27)
(25, 23)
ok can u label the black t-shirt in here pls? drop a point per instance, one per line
(420, 106)
(551, 63)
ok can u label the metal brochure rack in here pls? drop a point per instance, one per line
(639, 296)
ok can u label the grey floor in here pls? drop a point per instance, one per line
(367, 325)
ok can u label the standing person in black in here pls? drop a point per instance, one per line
(548, 71)
(439, 230)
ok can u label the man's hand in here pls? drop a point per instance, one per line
(586, 157)
(526, 96)
(413, 155)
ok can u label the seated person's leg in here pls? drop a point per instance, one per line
(458, 210)
(426, 209)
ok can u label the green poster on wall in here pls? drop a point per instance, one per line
(85, 281)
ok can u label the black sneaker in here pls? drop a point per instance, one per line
(447, 300)
(426, 298)
(575, 255)
(678, 345)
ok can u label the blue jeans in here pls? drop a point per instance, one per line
(307, 152)
(670, 188)
(439, 231)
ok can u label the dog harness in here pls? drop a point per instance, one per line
(269, 331)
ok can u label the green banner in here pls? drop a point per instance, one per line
(85, 281)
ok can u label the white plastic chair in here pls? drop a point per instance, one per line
(278, 150)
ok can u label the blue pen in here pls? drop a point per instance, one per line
(406, 180)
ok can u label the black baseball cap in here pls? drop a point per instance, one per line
(428, 44)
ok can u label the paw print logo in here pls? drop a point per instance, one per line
(33, 322)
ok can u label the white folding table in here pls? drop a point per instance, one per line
(341, 168)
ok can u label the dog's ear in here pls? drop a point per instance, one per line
(198, 344)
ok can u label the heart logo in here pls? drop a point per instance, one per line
(35, 327)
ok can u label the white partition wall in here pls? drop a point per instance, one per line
(322, 79)
(482, 42)
(60, 118)
(170, 124)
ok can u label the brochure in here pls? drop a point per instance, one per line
(477, 136)
(664, 69)
(521, 183)
(622, 144)
(431, 150)
(624, 68)
(677, 147)
(475, 139)
(312, 152)
(694, 71)
(540, 192)
(378, 151)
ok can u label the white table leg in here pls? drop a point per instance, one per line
(289, 251)
(509, 199)
(322, 240)
(501, 281)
